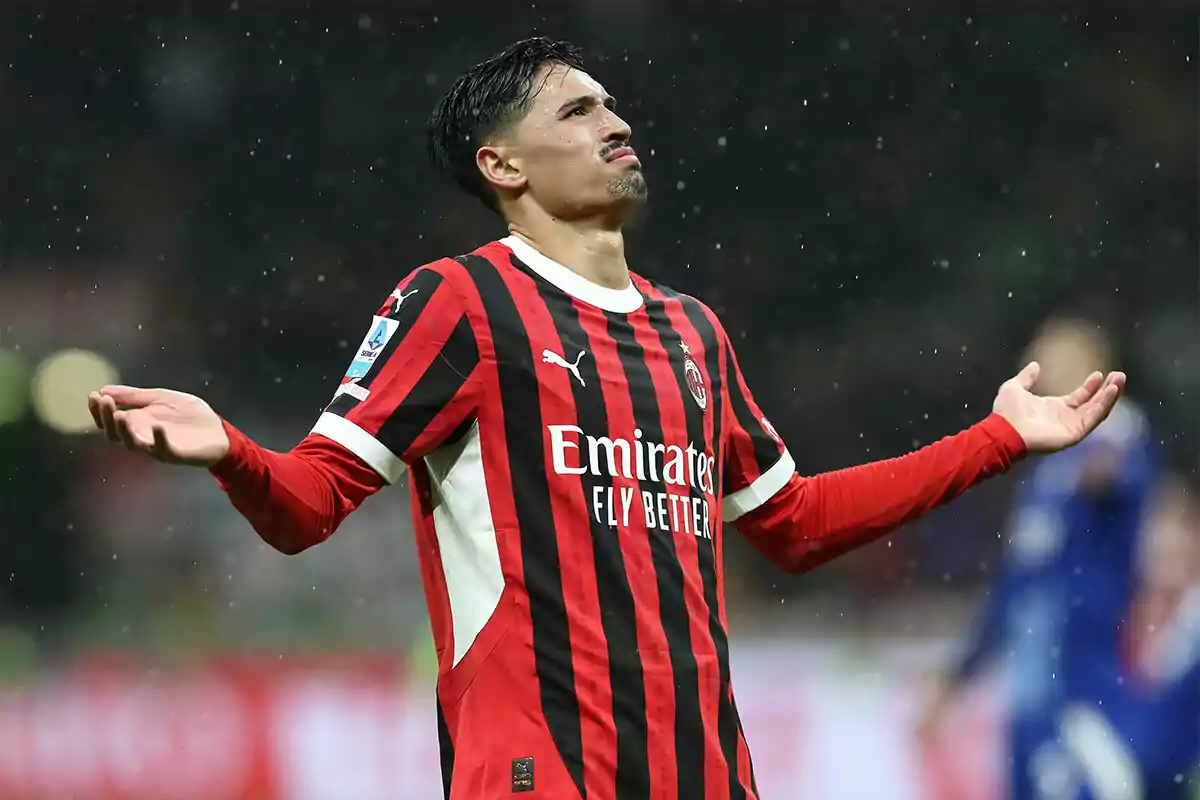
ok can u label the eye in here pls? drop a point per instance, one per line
(577, 111)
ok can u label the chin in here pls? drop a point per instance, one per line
(629, 187)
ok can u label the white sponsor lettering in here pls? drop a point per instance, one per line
(354, 390)
(689, 469)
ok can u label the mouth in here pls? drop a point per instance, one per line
(622, 153)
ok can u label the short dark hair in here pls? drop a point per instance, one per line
(484, 100)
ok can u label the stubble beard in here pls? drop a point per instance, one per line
(630, 187)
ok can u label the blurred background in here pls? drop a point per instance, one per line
(883, 207)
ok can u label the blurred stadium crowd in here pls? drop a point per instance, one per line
(883, 208)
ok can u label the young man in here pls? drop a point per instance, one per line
(575, 436)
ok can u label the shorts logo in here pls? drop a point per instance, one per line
(522, 774)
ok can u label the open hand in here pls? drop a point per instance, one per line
(1048, 424)
(170, 426)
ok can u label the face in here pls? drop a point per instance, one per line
(570, 154)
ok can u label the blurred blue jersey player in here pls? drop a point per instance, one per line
(1050, 622)
(1154, 713)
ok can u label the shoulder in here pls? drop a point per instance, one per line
(694, 306)
(457, 272)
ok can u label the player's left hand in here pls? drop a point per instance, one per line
(1048, 424)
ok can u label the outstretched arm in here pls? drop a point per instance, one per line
(801, 522)
(407, 391)
(297, 499)
(292, 500)
(811, 520)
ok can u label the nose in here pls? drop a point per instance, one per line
(615, 129)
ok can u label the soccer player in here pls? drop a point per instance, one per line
(1154, 713)
(575, 435)
(1066, 584)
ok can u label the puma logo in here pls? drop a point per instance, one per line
(399, 299)
(550, 357)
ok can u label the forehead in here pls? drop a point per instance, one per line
(557, 84)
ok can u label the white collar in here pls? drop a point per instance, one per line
(618, 301)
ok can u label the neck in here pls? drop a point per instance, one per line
(594, 252)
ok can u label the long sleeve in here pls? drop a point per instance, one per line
(408, 390)
(810, 520)
(297, 499)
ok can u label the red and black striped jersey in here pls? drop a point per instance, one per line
(573, 451)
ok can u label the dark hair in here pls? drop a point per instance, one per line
(484, 100)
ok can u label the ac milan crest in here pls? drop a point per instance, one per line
(694, 378)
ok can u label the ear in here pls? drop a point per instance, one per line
(499, 168)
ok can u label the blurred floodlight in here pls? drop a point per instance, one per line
(14, 387)
(61, 386)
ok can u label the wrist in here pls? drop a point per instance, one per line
(1006, 436)
(234, 458)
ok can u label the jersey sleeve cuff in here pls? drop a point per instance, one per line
(743, 501)
(225, 470)
(1010, 444)
(377, 456)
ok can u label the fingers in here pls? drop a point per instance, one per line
(1027, 377)
(125, 432)
(94, 402)
(1086, 390)
(104, 403)
(131, 396)
(160, 448)
(1097, 409)
(108, 410)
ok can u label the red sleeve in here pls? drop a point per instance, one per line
(297, 499)
(756, 461)
(408, 390)
(411, 385)
(812, 520)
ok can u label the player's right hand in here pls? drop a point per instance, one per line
(172, 427)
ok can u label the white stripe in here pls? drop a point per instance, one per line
(466, 535)
(362, 444)
(1109, 769)
(743, 501)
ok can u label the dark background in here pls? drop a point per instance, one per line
(882, 207)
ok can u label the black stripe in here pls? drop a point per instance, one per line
(689, 729)
(738, 719)
(426, 282)
(737, 715)
(766, 450)
(519, 393)
(727, 725)
(617, 611)
(446, 746)
(432, 391)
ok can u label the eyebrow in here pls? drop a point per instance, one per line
(585, 99)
